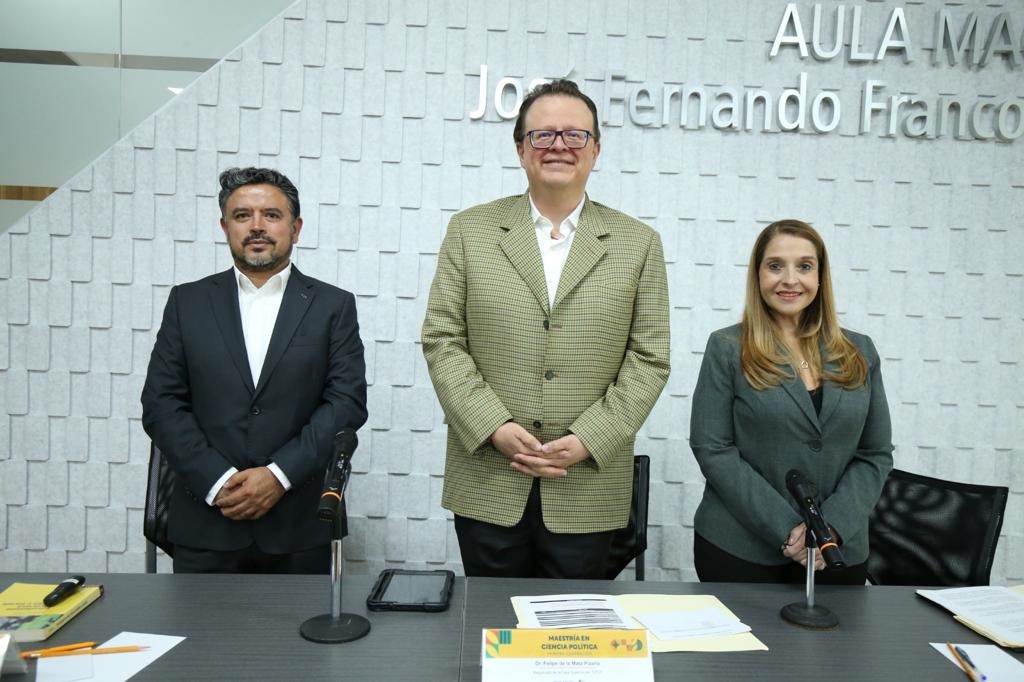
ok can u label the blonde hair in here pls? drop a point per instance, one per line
(763, 353)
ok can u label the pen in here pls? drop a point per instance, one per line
(66, 647)
(64, 590)
(88, 652)
(966, 663)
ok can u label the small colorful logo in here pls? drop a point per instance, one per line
(495, 640)
(627, 644)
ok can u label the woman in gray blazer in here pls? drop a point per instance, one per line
(785, 389)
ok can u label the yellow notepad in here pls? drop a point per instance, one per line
(23, 615)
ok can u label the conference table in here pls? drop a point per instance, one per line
(246, 627)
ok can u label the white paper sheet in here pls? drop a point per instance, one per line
(996, 664)
(709, 622)
(64, 669)
(572, 611)
(111, 667)
(998, 610)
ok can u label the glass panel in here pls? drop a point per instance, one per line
(57, 119)
(11, 212)
(61, 25)
(194, 28)
(144, 91)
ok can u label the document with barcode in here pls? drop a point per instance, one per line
(571, 611)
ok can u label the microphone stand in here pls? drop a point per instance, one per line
(336, 627)
(808, 614)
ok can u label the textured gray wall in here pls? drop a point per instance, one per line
(366, 106)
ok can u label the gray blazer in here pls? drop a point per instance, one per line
(746, 440)
(593, 364)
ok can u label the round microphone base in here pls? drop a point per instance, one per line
(815, 617)
(326, 629)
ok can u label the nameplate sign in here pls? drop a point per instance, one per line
(565, 655)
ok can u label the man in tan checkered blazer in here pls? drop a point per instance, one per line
(547, 339)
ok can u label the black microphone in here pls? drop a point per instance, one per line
(806, 495)
(336, 479)
(63, 590)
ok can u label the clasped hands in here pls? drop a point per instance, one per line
(249, 494)
(528, 456)
(795, 548)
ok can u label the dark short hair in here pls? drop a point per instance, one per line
(233, 178)
(562, 87)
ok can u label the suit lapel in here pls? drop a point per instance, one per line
(798, 392)
(587, 249)
(520, 246)
(831, 394)
(297, 297)
(224, 301)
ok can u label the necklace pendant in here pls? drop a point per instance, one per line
(803, 364)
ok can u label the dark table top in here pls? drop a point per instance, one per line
(246, 627)
(883, 632)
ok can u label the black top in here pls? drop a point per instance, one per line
(816, 399)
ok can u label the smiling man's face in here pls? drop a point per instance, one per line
(558, 169)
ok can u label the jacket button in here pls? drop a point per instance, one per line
(546, 324)
(538, 424)
(814, 445)
(549, 375)
(255, 410)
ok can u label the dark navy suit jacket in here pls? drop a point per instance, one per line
(200, 407)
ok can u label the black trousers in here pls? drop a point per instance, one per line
(251, 560)
(528, 549)
(718, 566)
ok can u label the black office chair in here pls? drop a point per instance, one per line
(926, 531)
(158, 504)
(629, 543)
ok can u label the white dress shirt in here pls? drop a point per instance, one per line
(554, 251)
(258, 307)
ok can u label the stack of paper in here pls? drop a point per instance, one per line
(994, 612)
(709, 622)
(675, 622)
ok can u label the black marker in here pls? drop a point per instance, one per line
(64, 590)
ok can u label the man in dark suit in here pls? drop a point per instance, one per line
(253, 372)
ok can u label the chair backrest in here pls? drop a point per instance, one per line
(630, 542)
(927, 531)
(158, 505)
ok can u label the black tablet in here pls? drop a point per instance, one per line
(401, 590)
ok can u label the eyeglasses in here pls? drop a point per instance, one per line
(573, 139)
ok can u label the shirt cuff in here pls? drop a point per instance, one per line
(212, 495)
(279, 475)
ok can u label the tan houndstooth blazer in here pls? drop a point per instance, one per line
(594, 365)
